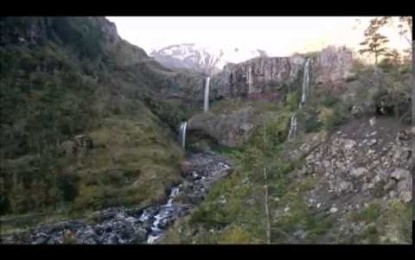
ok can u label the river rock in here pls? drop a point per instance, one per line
(357, 172)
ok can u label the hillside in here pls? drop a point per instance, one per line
(312, 148)
(67, 80)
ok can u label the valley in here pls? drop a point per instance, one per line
(103, 144)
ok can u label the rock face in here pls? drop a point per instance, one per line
(333, 65)
(258, 76)
(230, 129)
(272, 77)
(232, 122)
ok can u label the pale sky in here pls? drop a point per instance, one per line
(278, 36)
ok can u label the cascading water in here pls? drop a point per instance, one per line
(304, 94)
(293, 127)
(306, 83)
(206, 98)
(182, 134)
(249, 79)
(174, 192)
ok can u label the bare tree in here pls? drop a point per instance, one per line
(266, 196)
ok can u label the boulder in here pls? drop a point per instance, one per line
(400, 174)
(185, 168)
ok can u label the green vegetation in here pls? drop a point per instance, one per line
(369, 214)
(234, 210)
(389, 223)
(61, 77)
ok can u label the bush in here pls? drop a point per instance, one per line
(234, 235)
(326, 117)
(332, 117)
(292, 100)
(309, 120)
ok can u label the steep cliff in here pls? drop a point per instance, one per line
(275, 76)
(258, 76)
(276, 82)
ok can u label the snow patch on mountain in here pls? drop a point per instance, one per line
(204, 59)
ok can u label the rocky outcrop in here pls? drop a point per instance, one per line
(364, 163)
(227, 129)
(80, 144)
(271, 78)
(333, 65)
(258, 76)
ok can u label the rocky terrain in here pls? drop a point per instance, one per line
(364, 164)
(134, 225)
(95, 137)
(351, 186)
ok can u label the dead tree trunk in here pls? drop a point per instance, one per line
(267, 215)
(266, 200)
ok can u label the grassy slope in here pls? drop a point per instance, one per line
(50, 92)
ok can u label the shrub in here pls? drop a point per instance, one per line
(292, 100)
(234, 235)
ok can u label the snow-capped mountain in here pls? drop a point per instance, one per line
(206, 60)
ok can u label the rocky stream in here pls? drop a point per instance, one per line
(135, 225)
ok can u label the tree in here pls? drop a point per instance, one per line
(402, 24)
(394, 57)
(405, 28)
(398, 91)
(374, 44)
(375, 41)
(38, 191)
(392, 60)
(17, 197)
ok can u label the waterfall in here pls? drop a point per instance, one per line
(206, 99)
(174, 192)
(306, 83)
(293, 127)
(304, 94)
(249, 79)
(182, 134)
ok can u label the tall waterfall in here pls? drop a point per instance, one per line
(306, 83)
(182, 134)
(249, 79)
(206, 98)
(304, 94)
